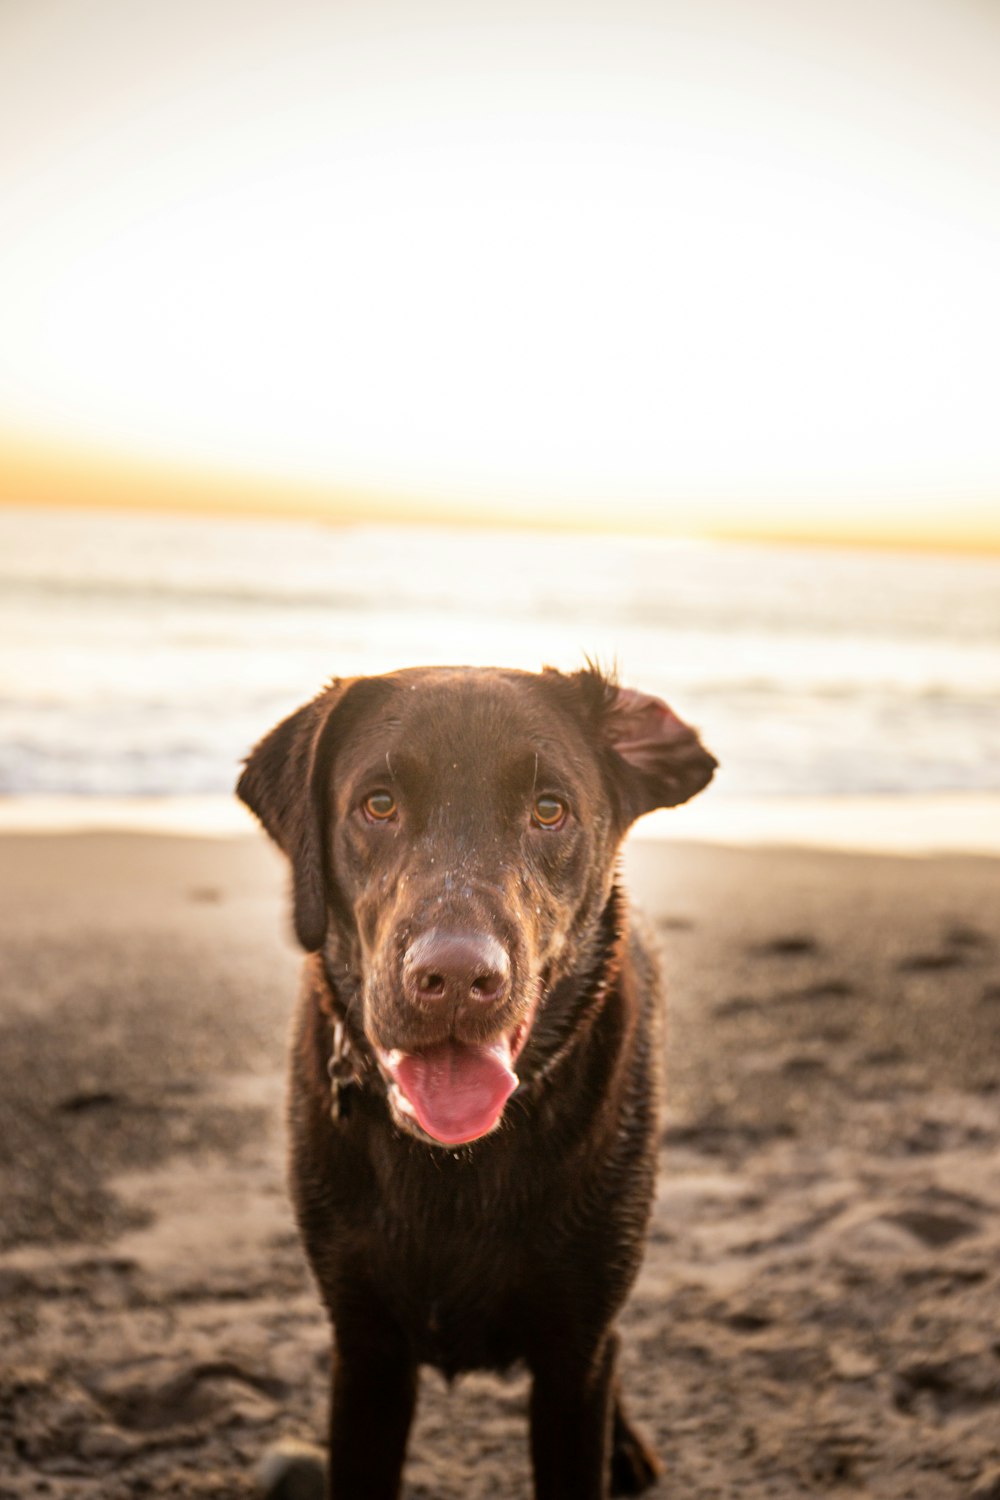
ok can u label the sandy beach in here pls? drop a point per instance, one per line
(820, 1304)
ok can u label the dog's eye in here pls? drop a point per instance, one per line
(379, 806)
(549, 812)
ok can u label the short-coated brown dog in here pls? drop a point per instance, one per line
(474, 1073)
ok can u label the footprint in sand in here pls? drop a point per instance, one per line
(804, 1065)
(933, 1229)
(960, 935)
(940, 1218)
(205, 893)
(675, 924)
(736, 1005)
(750, 1320)
(932, 962)
(183, 1396)
(824, 989)
(789, 945)
(959, 946)
(78, 1104)
(883, 1057)
(947, 1387)
(987, 1487)
(834, 1035)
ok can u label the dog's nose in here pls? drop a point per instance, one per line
(456, 968)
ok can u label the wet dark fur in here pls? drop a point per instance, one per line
(520, 1246)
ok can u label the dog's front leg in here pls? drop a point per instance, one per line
(373, 1395)
(572, 1401)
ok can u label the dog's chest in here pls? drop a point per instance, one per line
(454, 1254)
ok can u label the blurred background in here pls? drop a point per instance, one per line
(340, 337)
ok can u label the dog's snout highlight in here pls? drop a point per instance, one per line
(457, 969)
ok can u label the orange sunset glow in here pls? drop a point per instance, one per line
(36, 474)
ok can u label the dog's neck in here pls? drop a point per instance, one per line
(575, 1002)
(351, 1063)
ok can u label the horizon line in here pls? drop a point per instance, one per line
(50, 477)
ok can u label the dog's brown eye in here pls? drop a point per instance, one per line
(549, 812)
(379, 806)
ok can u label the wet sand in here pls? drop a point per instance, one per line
(820, 1304)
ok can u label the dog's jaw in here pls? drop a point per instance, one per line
(454, 1092)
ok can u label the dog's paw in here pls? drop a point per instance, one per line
(292, 1471)
(634, 1465)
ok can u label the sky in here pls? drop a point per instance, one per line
(726, 267)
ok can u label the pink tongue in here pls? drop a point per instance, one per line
(456, 1092)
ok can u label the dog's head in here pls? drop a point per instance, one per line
(452, 834)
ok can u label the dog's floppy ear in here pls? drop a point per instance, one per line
(282, 783)
(657, 759)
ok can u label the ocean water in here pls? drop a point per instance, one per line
(144, 654)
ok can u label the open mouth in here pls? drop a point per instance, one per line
(455, 1092)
